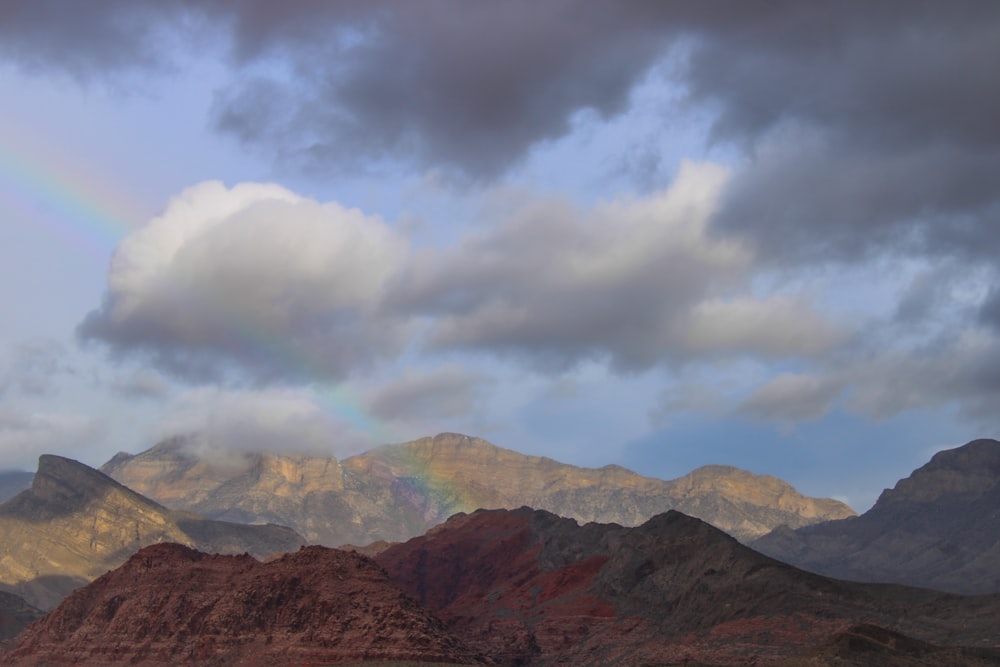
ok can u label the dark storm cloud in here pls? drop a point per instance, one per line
(905, 91)
(868, 126)
(86, 40)
(463, 87)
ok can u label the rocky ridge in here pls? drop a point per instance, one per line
(170, 605)
(938, 528)
(75, 523)
(527, 587)
(521, 587)
(396, 492)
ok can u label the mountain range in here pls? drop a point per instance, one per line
(507, 587)
(399, 491)
(74, 523)
(939, 527)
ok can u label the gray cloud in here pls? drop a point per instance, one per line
(141, 384)
(789, 398)
(32, 367)
(960, 369)
(443, 393)
(25, 434)
(472, 87)
(869, 127)
(216, 422)
(634, 282)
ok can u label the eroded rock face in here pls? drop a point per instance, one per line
(937, 528)
(75, 523)
(399, 491)
(170, 605)
(527, 587)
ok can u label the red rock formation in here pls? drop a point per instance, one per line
(529, 587)
(169, 605)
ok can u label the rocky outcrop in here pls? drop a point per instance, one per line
(75, 523)
(170, 605)
(396, 492)
(528, 587)
(938, 528)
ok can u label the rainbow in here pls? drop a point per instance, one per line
(54, 190)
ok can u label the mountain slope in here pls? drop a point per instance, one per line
(15, 615)
(75, 523)
(171, 605)
(527, 587)
(939, 527)
(395, 492)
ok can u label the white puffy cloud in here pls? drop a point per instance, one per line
(282, 285)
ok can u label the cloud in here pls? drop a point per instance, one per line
(253, 277)
(218, 422)
(87, 42)
(443, 393)
(32, 367)
(961, 370)
(635, 282)
(866, 129)
(143, 383)
(898, 90)
(790, 397)
(26, 434)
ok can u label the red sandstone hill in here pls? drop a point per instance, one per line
(528, 587)
(170, 605)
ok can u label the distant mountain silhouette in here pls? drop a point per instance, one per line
(396, 492)
(75, 523)
(939, 527)
(528, 587)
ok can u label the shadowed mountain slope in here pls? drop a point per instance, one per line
(171, 605)
(395, 492)
(526, 586)
(75, 523)
(15, 615)
(939, 527)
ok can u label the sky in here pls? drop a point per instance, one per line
(661, 235)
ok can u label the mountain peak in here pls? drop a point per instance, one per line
(62, 486)
(967, 471)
